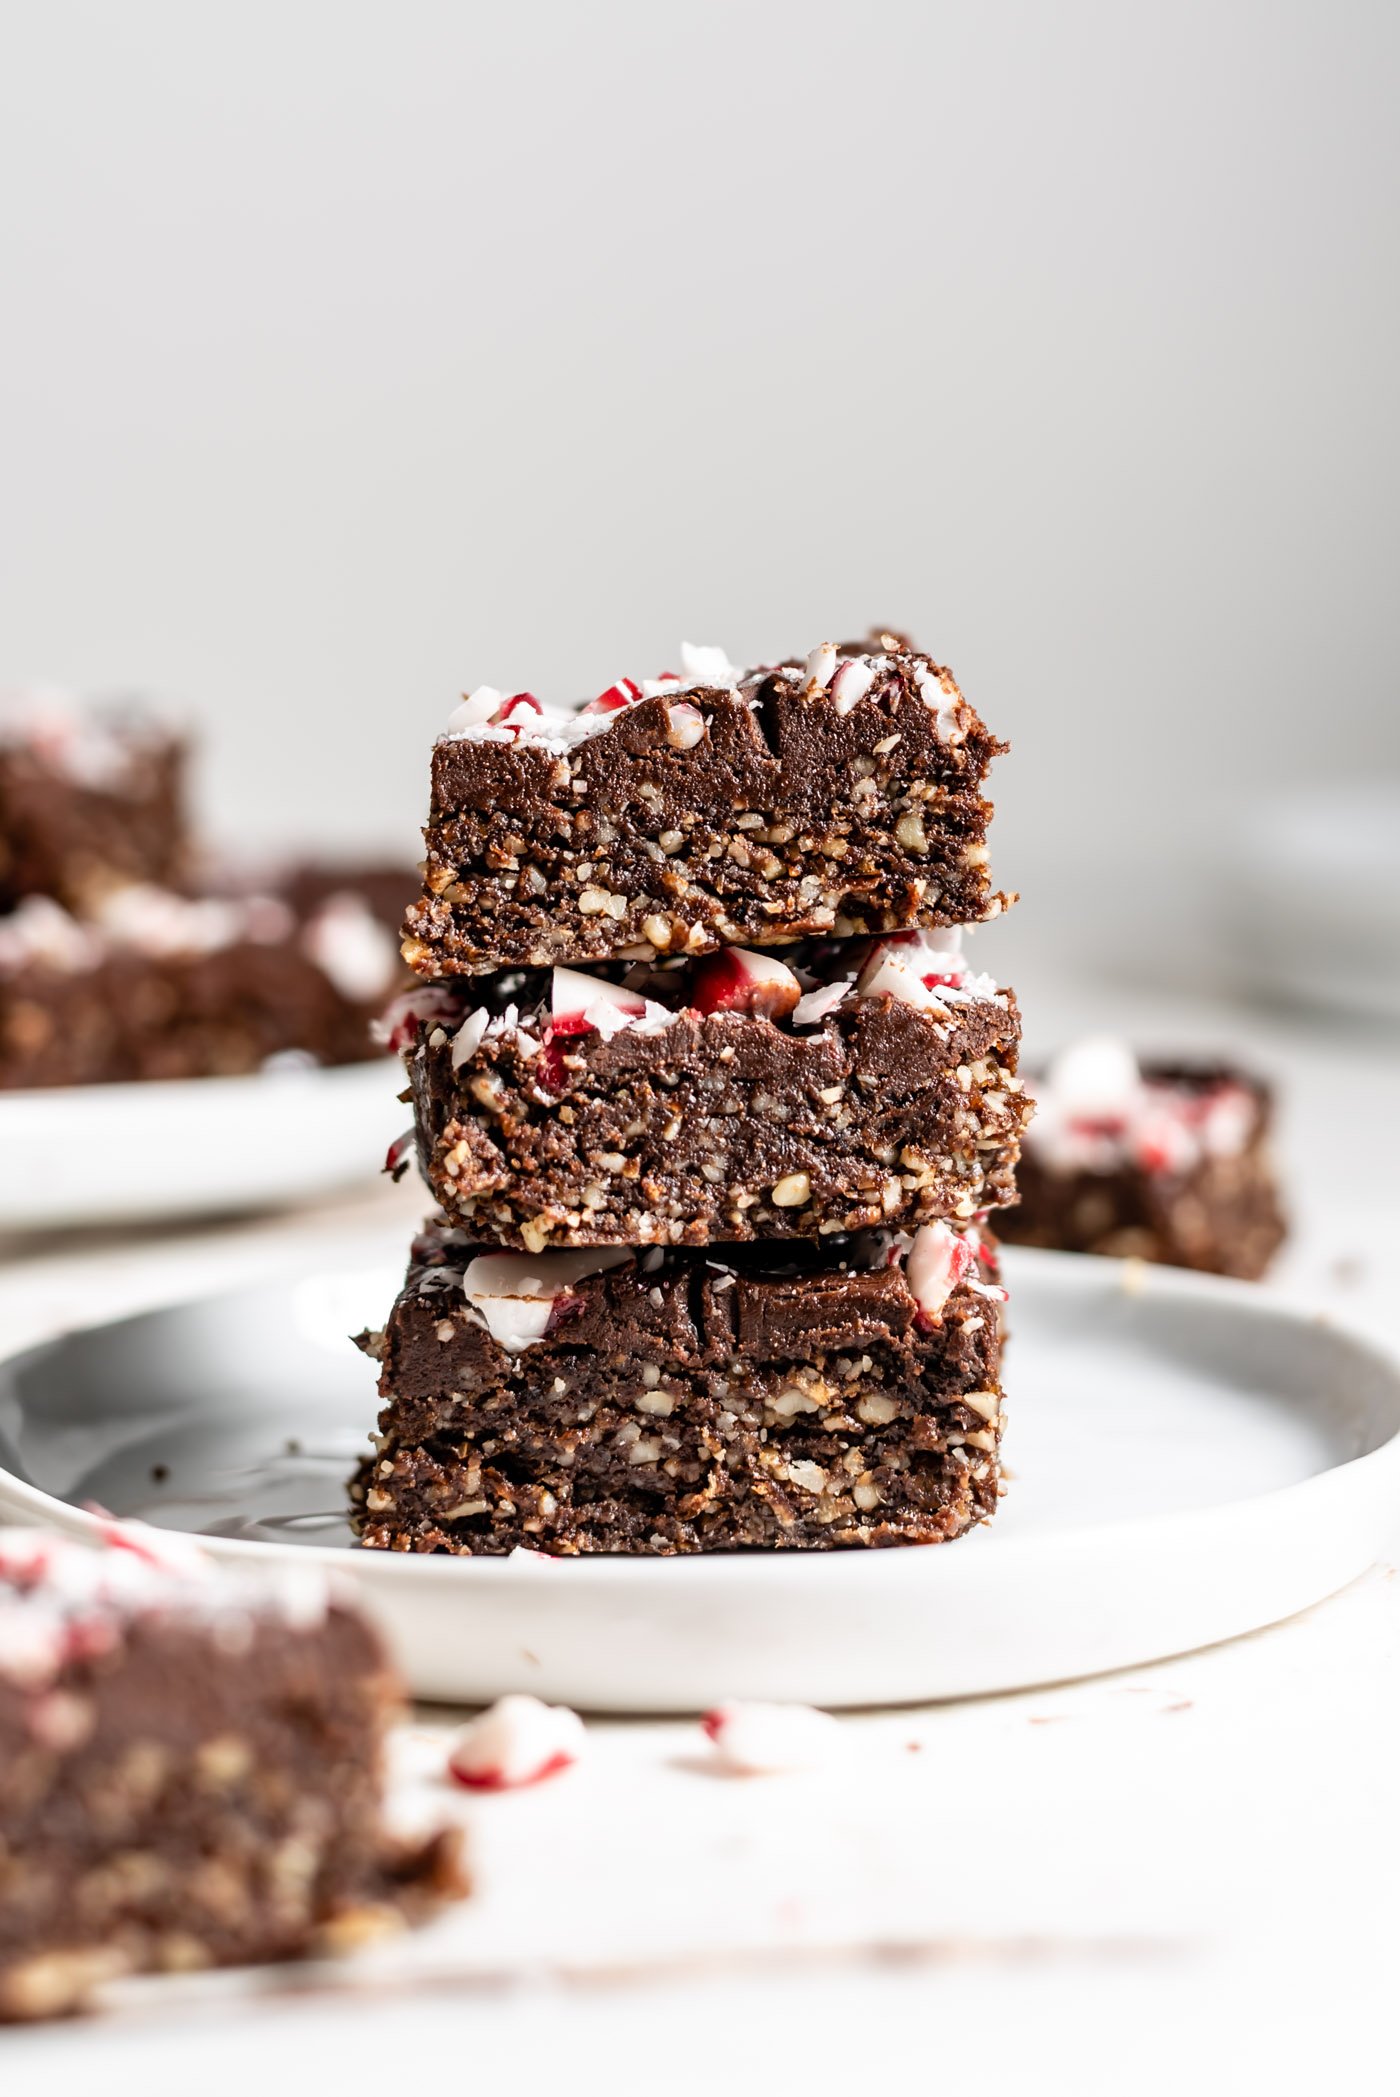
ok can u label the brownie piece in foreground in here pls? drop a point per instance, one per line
(782, 1398)
(1169, 1161)
(842, 795)
(90, 798)
(190, 1770)
(159, 985)
(740, 1096)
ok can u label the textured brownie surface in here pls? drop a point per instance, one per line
(1169, 1163)
(89, 799)
(555, 1114)
(723, 807)
(189, 1771)
(796, 1398)
(159, 985)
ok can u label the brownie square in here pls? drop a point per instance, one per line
(840, 795)
(190, 1769)
(1169, 1161)
(89, 799)
(749, 1397)
(816, 1092)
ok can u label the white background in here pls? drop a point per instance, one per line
(353, 354)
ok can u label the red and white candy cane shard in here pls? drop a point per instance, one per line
(579, 1004)
(396, 1158)
(736, 980)
(615, 697)
(519, 1741)
(938, 1260)
(515, 712)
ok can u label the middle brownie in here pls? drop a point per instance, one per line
(734, 1097)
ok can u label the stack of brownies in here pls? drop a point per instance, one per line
(123, 955)
(713, 1110)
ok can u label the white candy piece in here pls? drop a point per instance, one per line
(898, 966)
(1097, 1078)
(468, 1037)
(762, 1739)
(518, 1741)
(821, 666)
(514, 1292)
(687, 725)
(41, 930)
(602, 1005)
(475, 710)
(156, 921)
(352, 949)
(940, 701)
(937, 1260)
(812, 1007)
(851, 682)
(709, 666)
(1229, 1123)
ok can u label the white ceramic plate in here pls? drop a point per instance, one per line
(105, 1154)
(1191, 1460)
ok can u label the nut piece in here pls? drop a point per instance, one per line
(792, 1190)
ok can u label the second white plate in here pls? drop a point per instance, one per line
(104, 1154)
(1190, 1460)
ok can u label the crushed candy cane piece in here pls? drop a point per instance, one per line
(763, 1739)
(735, 980)
(518, 1741)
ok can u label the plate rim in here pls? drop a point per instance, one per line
(158, 1092)
(1083, 1273)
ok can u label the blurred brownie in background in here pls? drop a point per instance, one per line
(91, 797)
(191, 1769)
(156, 984)
(1166, 1161)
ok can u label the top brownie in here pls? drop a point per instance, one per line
(90, 799)
(720, 807)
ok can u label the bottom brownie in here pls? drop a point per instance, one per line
(189, 1771)
(1169, 1162)
(748, 1397)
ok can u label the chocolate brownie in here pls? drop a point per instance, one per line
(739, 1096)
(190, 1770)
(159, 985)
(89, 799)
(838, 796)
(794, 1397)
(1169, 1161)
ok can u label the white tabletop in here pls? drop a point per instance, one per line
(1187, 1871)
